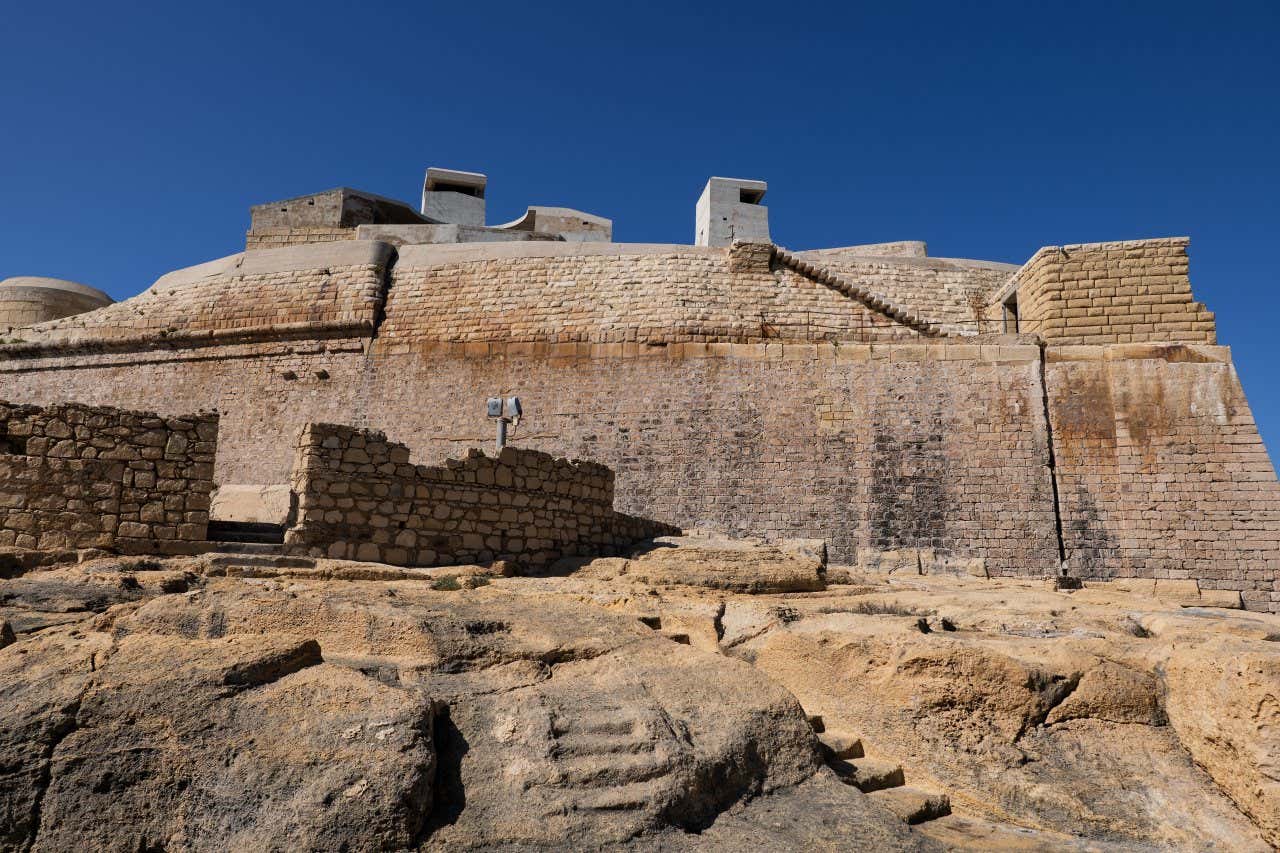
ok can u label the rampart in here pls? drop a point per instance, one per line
(745, 389)
(75, 476)
(1104, 293)
(360, 498)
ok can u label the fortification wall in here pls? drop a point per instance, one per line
(1161, 471)
(1105, 293)
(868, 447)
(27, 300)
(74, 476)
(951, 293)
(277, 238)
(602, 293)
(360, 498)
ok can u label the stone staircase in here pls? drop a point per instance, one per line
(881, 779)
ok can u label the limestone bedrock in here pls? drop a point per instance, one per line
(201, 703)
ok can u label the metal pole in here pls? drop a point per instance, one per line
(502, 433)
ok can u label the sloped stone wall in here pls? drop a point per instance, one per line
(1161, 471)
(359, 497)
(90, 477)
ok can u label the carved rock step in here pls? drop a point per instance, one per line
(913, 805)
(869, 774)
(838, 744)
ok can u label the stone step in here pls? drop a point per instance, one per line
(914, 805)
(222, 547)
(613, 770)
(601, 744)
(869, 774)
(840, 744)
(222, 559)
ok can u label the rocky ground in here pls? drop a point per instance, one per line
(703, 695)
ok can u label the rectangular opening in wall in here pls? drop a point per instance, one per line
(1010, 306)
(750, 196)
(465, 189)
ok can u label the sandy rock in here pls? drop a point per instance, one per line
(252, 743)
(1223, 700)
(752, 571)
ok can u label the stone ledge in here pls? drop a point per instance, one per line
(1171, 352)
(797, 352)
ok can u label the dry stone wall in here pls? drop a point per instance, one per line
(1161, 471)
(76, 476)
(359, 497)
(1105, 293)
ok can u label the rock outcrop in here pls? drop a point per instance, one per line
(696, 696)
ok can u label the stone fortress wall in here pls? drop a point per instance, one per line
(74, 476)
(28, 300)
(360, 498)
(858, 395)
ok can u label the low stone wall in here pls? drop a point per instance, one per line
(75, 476)
(359, 497)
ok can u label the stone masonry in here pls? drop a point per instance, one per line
(359, 497)
(90, 477)
(1070, 414)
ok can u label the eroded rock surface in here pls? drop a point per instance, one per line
(715, 700)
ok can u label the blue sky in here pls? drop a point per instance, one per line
(135, 136)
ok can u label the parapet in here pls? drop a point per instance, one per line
(1132, 291)
(27, 300)
(450, 196)
(730, 209)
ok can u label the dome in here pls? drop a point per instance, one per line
(27, 300)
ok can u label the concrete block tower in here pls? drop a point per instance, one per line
(730, 209)
(453, 197)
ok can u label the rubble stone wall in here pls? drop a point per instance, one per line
(360, 497)
(1105, 293)
(1161, 471)
(76, 476)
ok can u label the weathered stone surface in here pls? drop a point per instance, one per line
(256, 504)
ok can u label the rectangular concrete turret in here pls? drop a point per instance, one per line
(729, 209)
(453, 197)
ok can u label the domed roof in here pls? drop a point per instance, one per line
(35, 281)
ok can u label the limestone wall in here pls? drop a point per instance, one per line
(1161, 471)
(359, 497)
(303, 291)
(950, 293)
(1104, 293)
(27, 300)
(75, 476)
(598, 293)
(275, 238)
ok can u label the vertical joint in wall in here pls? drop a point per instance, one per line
(1052, 461)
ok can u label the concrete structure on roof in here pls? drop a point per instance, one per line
(452, 211)
(452, 196)
(730, 209)
(27, 299)
(1074, 413)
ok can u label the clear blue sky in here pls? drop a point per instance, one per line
(135, 136)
